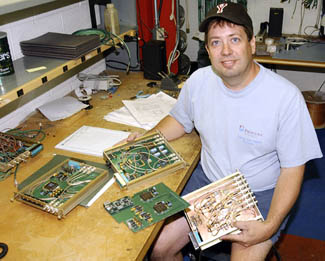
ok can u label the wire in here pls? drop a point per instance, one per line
(132, 68)
(173, 56)
(187, 23)
(141, 22)
(302, 16)
(172, 16)
(106, 37)
(314, 30)
(31, 134)
(4, 251)
(294, 10)
(127, 50)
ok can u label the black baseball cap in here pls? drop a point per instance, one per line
(232, 12)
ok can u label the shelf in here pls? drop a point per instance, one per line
(13, 10)
(17, 85)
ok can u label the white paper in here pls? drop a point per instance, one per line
(123, 116)
(61, 108)
(152, 109)
(92, 140)
(101, 191)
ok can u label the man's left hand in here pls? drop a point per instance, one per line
(252, 232)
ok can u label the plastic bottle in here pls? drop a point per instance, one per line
(111, 19)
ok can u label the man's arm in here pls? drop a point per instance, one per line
(285, 195)
(168, 126)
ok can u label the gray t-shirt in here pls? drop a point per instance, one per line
(256, 130)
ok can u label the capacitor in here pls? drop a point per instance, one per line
(153, 150)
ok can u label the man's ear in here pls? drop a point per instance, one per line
(253, 44)
(207, 48)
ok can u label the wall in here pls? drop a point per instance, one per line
(259, 11)
(63, 20)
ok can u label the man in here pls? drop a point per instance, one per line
(249, 119)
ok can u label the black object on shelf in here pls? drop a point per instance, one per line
(275, 22)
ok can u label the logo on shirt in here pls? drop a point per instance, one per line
(249, 136)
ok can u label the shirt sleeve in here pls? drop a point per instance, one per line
(297, 141)
(183, 109)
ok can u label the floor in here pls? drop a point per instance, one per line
(296, 248)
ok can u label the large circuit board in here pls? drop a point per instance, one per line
(215, 207)
(61, 184)
(146, 207)
(143, 158)
(15, 150)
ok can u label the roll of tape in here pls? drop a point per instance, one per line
(81, 91)
(271, 48)
(269, 41)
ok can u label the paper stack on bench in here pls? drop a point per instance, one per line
(143, 113)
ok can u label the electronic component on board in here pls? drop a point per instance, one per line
(214, 207)
(146, 207)
(15, 150)
(147, 156)
(118, 205)
(61, 184)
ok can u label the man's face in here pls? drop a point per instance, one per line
(230, 52)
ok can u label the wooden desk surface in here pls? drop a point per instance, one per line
(86, 233)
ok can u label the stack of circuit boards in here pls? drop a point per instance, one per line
(146, 207)
(143, 158)
(14, 150)
(61, 184)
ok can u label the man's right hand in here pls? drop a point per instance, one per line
(131, 137)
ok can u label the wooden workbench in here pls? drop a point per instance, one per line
(86, 233)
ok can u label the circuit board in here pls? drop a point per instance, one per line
(143, 158)
(146, 207)
(216, 206)
(61, 184)
(15, 150)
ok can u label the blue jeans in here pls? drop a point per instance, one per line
(198, 180)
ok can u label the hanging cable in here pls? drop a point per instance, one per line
(172, 57)
(127, 50)
(302, 16)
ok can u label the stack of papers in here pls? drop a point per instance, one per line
(143, 113)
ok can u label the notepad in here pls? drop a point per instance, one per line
(91, 140)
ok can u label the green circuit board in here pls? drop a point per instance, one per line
(58, 188)
(145, 157)
(146, 207)
(14, 150)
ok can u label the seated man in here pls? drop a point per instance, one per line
(249, 119)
